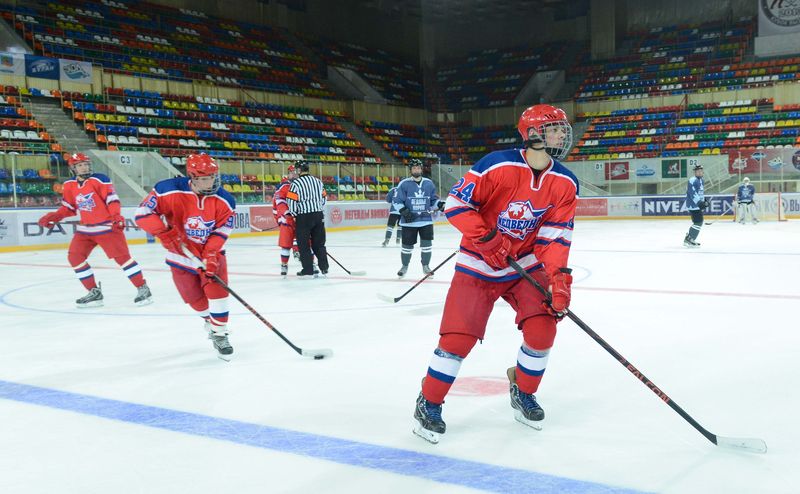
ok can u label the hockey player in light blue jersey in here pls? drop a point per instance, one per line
(695, 203)
(744, 202)
(394, 217)
(415, 200)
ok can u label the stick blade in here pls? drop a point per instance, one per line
(386, 298)
(749, 444)
(318, 354)
(358, 273)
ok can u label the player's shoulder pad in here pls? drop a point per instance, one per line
(560, 169)
(497, 157)
(177, 184)
(101, 177)
(227, 197)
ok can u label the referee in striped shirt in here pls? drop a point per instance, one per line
(306, 199)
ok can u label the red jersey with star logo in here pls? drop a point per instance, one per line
(206, 220)
(93, 200)
(279, 204)
(534, 211)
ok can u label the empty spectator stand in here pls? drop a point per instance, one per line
(157, 41)
(406, 142)
(394, 78)
(467, 144)
(639, 133)
(20, 133)
(697, 129)
(175, 126)
(489, 78)
(682, 59)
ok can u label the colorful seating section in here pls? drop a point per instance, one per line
(466, 145)
(441, 143)
(489, 78)
(20, 133)
(175, 126)
(158, 41)
(34, 188)
(684, 59)
(250, 188)
(407, 141)
(395, 79)
(698, 129)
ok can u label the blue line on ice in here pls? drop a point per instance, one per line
(433, 467)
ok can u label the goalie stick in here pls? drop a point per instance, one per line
(752, 445)
(389, 299)
(719, 216)
(318, 354)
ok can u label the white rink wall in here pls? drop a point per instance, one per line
(19, 229)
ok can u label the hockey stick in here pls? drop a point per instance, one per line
(265, 229)
(753, 445)
(387, 298)
(719, 216)
(351, 273)
(315, 354)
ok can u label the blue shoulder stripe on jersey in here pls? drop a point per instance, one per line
(172, 185)
(496, 157)
(182, 184)
(457, 211)
(101, 177)
(227, 197)
(563, 170)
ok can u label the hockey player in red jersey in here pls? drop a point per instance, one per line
(517, 203)
(92, 197)
(196, 213)
(280, 209)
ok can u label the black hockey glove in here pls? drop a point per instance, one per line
(703, 204)
(407, 215)
(440, 205)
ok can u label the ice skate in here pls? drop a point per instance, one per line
(284, 269)
(143, 295)
(403, 271)
(688, 242)
(427, 270)
(526, 410)
(307, 276)
(219, 339)
(385, 243)
(92, 299)
(429, 415)
(397, 241)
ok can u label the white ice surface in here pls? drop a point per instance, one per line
(715, 328)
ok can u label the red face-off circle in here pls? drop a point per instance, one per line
(479, 386)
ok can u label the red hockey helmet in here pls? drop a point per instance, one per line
(76, 158)
(532, 127)
(203, 165)
(291, 172)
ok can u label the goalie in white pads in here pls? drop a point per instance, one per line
(744, 202)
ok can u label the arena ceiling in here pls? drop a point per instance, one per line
(444, 11)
